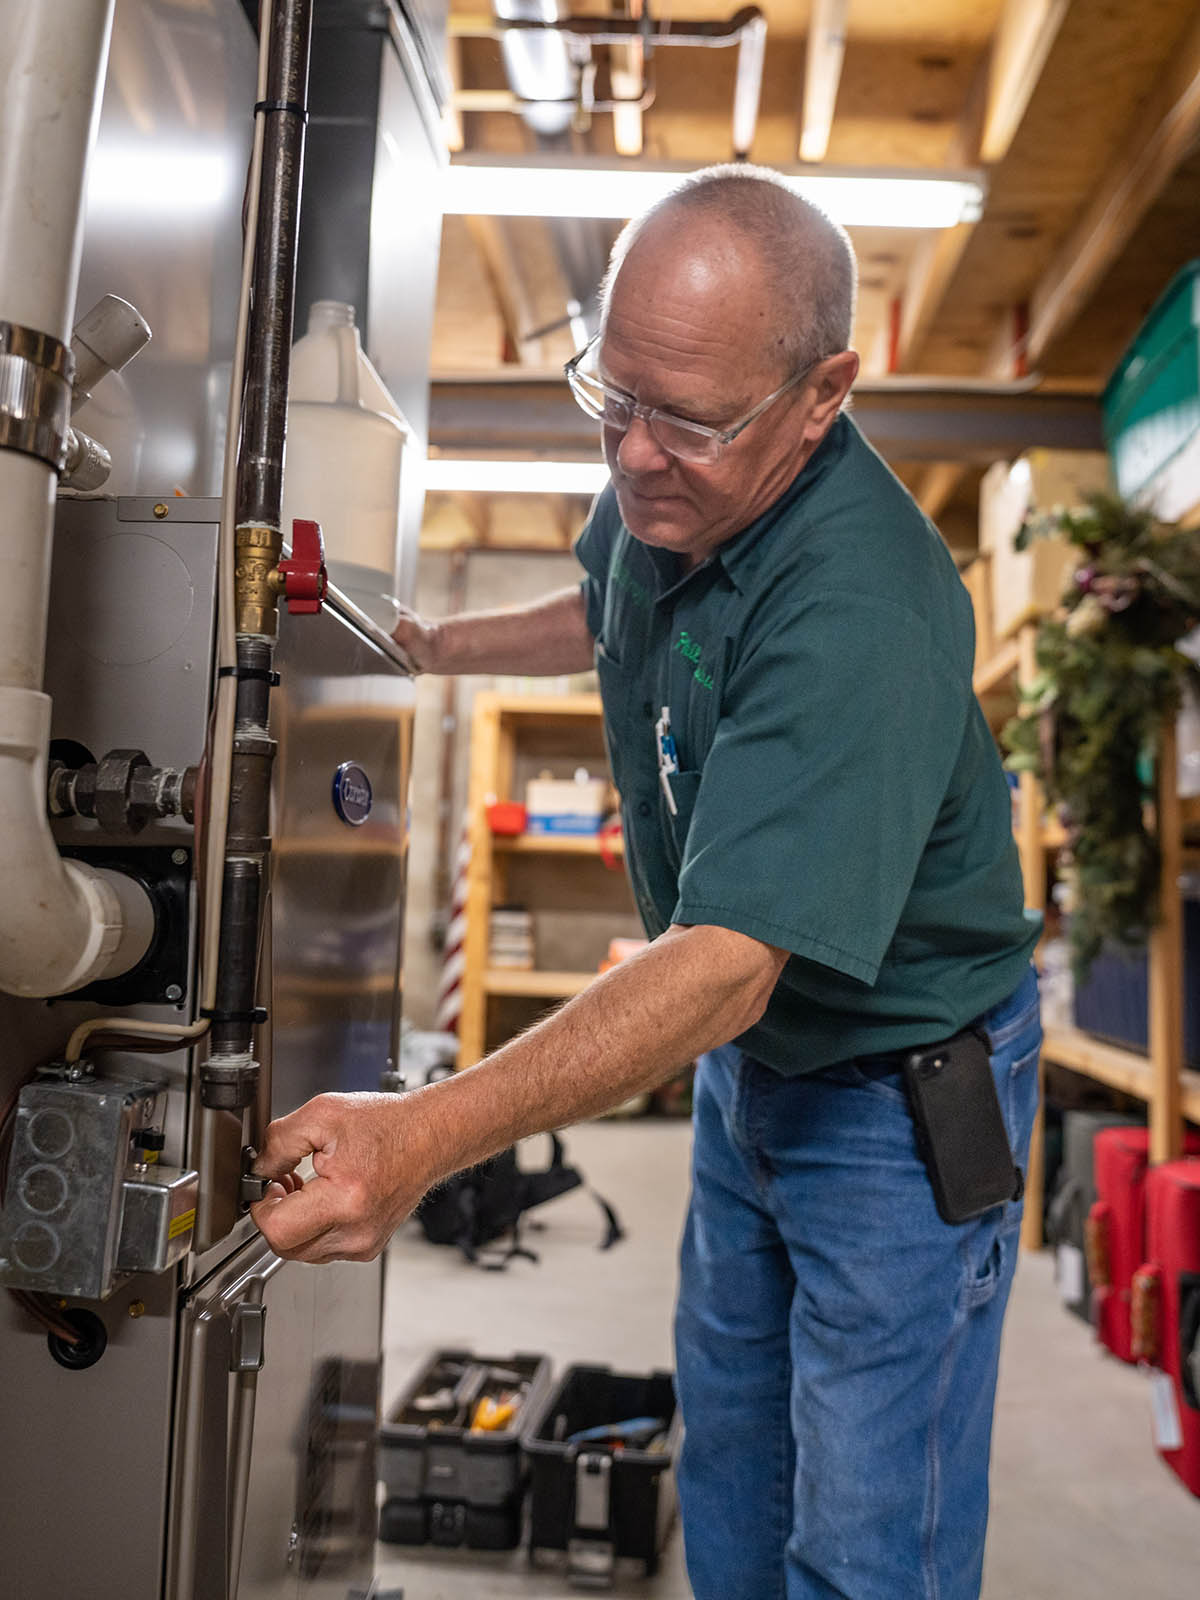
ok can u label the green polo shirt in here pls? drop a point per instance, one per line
(839, 794)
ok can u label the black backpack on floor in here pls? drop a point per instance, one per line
(475, 1208)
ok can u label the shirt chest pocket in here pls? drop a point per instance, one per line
(684, 786)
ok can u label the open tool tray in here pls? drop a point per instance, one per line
(602, 1500)
(445, 1482)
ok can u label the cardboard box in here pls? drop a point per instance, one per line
(566, 805)
(1027, 584)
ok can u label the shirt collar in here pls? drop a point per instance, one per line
(738, 556)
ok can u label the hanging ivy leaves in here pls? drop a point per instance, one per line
(1109, 674)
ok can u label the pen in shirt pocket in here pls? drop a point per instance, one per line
(667, 758)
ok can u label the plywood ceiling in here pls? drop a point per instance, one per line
(1088, 112)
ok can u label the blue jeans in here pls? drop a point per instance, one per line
(836, 1341)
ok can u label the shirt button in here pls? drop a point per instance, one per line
(643, 808)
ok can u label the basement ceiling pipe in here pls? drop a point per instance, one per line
(62, 924)
(747, 29)
(538, 65)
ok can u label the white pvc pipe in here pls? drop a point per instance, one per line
(61, 924)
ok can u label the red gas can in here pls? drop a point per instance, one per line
(1117, 1230)
(1171, 1277)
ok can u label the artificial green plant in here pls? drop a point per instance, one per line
(1110, 673)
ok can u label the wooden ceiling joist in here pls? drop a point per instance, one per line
(939, 253)
(822, 72)
(508, 286)
(936, 486)
(1163, 134)
(1022, 41)
(934, 265)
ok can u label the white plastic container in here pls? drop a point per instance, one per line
(342, 464)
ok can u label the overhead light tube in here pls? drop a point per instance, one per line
(878, 199)
(515, 477)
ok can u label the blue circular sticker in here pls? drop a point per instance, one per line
(352, 794)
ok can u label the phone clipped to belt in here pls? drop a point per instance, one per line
(960, 1129)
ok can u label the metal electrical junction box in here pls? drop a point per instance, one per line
(84, 1201)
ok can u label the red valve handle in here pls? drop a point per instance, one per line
(305, 577)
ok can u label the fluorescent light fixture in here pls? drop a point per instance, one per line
(515, 477)
(865, 200)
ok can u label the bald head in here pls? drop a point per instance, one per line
(741, 229)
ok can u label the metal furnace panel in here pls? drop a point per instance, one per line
(278, 1394)
(343, 714)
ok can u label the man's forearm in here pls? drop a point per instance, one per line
(374, 1156)
(548, 637)
(631, 1030)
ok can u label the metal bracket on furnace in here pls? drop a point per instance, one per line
(251, 1188)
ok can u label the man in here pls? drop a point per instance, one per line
(818, 836)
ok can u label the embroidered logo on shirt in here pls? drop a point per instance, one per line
(692, 651)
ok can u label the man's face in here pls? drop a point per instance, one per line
(689, 331)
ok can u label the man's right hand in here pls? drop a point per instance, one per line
(416, 640)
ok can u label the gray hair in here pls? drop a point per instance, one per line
(808, 258)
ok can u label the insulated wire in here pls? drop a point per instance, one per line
(40, 1312)
(173, 1035)
(220, 745)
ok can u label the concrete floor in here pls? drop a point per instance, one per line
(1081, 1505)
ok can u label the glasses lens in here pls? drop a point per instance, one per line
(678, 439)
(599, 401)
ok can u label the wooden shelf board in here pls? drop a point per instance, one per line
(556, 844)
(535, 985)
(568, 707)
(1002, 665)
(1111, 1064)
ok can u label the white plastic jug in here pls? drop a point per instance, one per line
(345, 444)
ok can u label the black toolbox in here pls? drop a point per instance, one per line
(602, 1501)
(445, 1483)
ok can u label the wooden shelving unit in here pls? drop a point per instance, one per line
(1171, 1092)
(508, 731)
(535, 985)
(534, 844)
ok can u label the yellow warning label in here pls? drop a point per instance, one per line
(182, 1224)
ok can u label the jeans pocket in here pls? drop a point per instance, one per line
(884, 1084)
(1019, 1098)
(984, 1276)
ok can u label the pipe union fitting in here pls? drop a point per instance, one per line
(229, 1083)
(35, 393)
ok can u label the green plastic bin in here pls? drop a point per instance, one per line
(1151, 405)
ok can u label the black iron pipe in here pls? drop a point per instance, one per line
(229, 1077)
(269, 339)
(232, 1025)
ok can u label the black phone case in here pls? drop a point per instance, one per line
(960, 1129)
